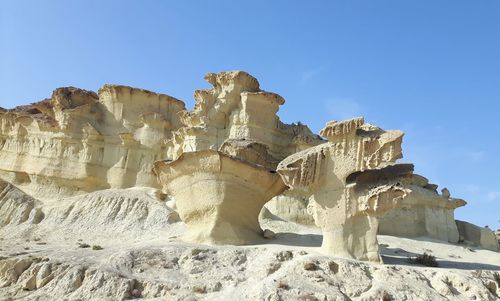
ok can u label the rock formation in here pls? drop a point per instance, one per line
(477, 236)
(82, 216)
(424, 212)
(237, 121)
(16, 207)
(351, 184)
(237, 114)
(219, 197)
(290, 206)
(79, 141)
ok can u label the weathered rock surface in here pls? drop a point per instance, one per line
(16, 207)
(69, 230)
(290, 206)
(219, 197)
(477, 236)
(79, 141)
(125, 213)
(237, 119)
(348, 184)
(236, 109)
(424, 213)
(175, 271)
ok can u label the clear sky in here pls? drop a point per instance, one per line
(430, 68)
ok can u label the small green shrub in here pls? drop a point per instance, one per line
(424, 259)
(96, 247)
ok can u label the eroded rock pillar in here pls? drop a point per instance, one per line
(352, 182)
(219, 197)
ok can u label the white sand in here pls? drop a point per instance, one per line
(142, 252)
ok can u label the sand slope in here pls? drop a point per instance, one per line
(143, 256)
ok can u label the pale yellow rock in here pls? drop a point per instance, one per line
(219, 168)
(236, 109)
(290, 206)
(79, 141)
(348, 185)
(237, 118)
(424, 212)
(477, 236)
(219, 197)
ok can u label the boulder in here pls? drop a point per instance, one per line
(477, 236)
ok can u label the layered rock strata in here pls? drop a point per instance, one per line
(237, 114)
(235, 122)
(477, 236)
(219, 197)
(425, 212)
(16, 207)
(79, 141)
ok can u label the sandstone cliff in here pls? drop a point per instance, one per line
(79, 141)
(82, 215)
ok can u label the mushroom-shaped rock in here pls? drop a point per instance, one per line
(351, 182)
(219, 197)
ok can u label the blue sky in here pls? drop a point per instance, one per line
(430, 68)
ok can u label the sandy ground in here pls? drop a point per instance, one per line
(143, 257)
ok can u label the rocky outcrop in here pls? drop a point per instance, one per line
(119, 213)
(79, 141)
(351, 184)
(219, 197)
(233, 124)
(236, 111)
(290, 206)
(477, 236)
(173, 272)
(425, 212)
(16, 207)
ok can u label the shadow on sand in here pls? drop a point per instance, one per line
(392, 256)
(397, 256)
(298, 240)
